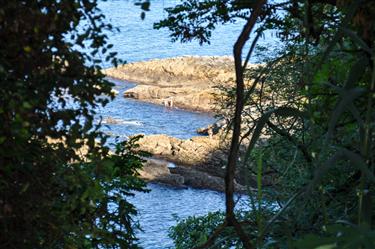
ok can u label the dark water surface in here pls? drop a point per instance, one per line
(137, 41)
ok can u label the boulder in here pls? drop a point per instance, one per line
(155, 170)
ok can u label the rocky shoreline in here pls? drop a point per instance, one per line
(188, 82)
(198, 162)
(191, 83)
(161, 171)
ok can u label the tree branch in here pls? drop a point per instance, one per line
(285, 134)
(233, 153)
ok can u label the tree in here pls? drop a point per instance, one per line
(315, 95)
(60, 187)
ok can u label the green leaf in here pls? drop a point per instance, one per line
(346, 101)
(352, 9)
(330, 246)
(341, 154)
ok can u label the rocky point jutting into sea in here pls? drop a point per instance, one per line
(188, 82)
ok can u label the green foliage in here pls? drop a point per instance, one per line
(339, 236)
(60, 187)
(195, 230)
(309, 119)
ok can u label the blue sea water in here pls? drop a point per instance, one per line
(138, 41)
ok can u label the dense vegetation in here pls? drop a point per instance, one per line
(306, 117)
(59, 186)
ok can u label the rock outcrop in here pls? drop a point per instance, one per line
(191, 152)
(178, 71)
(188, 98)
(200, 161)
(199, 179)
(156, 170)
(188, 82)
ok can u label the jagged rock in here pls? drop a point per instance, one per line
(201, 155)
(204, 154)
(175, 180)
(160, 145)
(155, 170)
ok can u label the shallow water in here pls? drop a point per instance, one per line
(123, 117)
